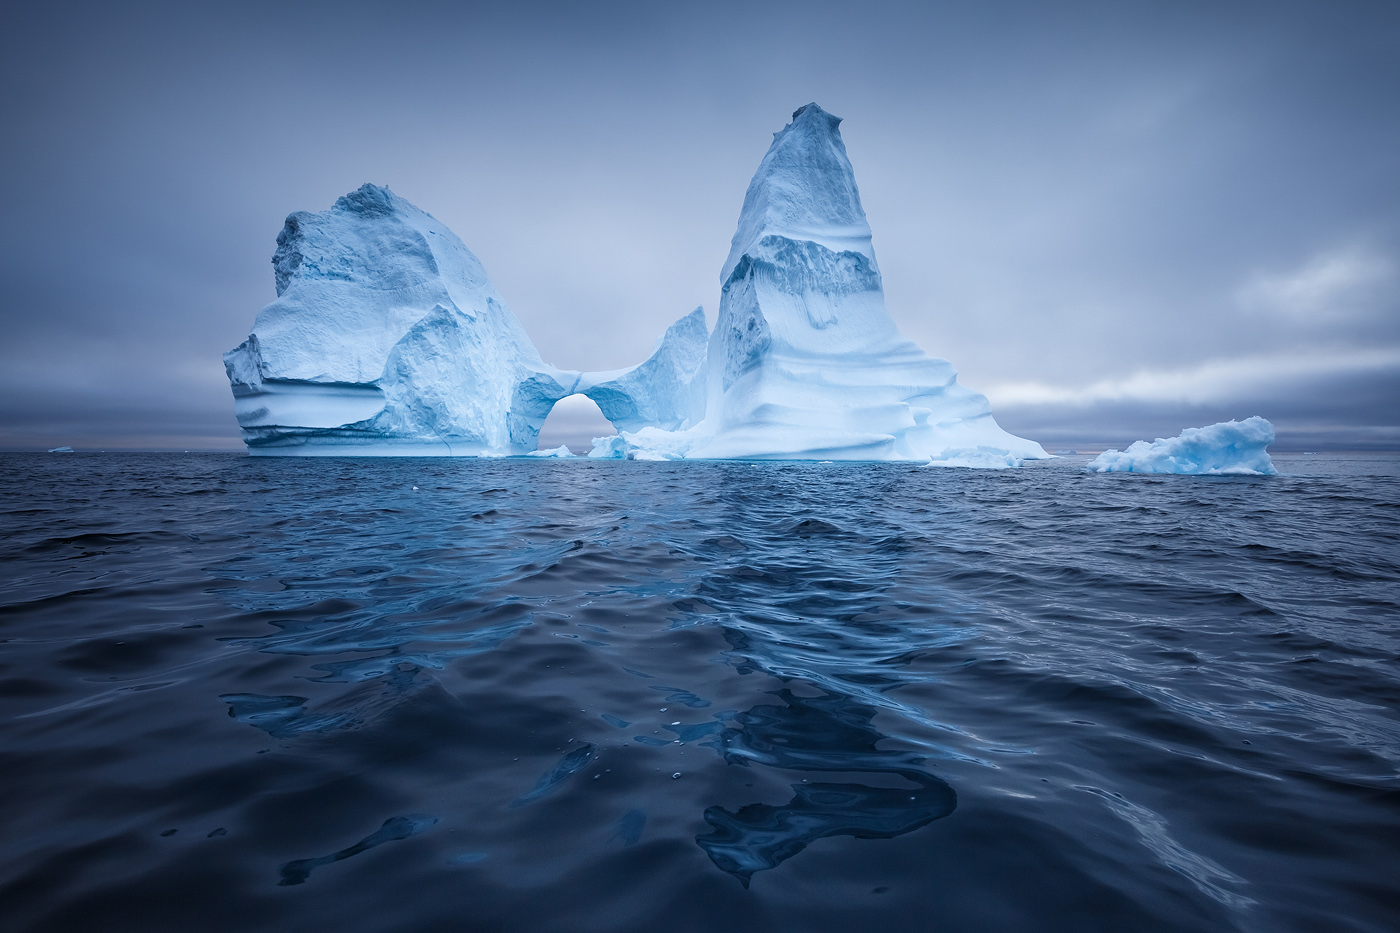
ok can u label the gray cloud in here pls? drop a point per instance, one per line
(1116, 219)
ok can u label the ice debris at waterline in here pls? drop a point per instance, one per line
(388, 338)
(805, 361)
(1230, 447)
(561, 451)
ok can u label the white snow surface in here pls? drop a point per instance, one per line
(1228, 447)
(805, 361)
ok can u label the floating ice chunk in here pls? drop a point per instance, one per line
(561, 451)
(612, 447)
(977, 458)
(1227, 447)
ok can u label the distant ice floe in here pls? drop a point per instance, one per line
(977, 458)
(561, 451)
(1230, 447)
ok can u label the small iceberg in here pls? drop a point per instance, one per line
(1231, 447)
(975, 458)
(612, 447)
(60, 450)
(561, 451)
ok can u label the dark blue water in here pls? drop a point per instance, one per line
(366, 695)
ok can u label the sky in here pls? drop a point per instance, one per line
(1117, 219)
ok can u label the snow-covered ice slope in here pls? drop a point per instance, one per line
(1228, 447)
(805, 361)
(387, 338)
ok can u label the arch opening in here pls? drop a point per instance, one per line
(574, 421)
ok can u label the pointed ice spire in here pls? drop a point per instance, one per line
(804, 189)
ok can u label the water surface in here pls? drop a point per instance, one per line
(420, 694)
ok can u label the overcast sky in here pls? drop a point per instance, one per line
(1117, 219)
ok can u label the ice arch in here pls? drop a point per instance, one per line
(666, 391)
(574, 421)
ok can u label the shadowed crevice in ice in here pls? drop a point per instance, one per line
(826, 733)
(549, 782)
(395, 828)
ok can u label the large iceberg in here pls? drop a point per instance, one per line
(387, 338)
(1227, 447)
(805, 361)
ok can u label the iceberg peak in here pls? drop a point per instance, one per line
(371, 199)
(804, 189)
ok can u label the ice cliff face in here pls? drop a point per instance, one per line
(387, 338)
(805, 361)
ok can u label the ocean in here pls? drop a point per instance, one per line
(522, 695)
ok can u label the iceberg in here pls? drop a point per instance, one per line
(1230, 447)
(805, 361)
(560, 452)
(387, 338)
